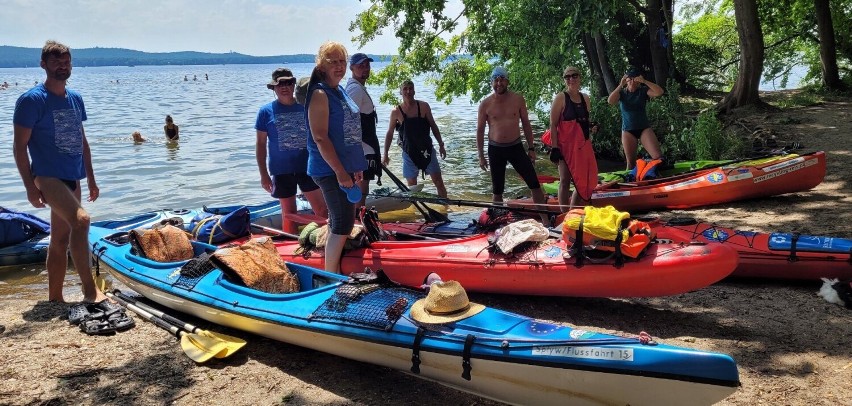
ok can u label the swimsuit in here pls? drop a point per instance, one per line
(513, 152)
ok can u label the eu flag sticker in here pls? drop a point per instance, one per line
(715, 177)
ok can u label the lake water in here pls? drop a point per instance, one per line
(214, 162)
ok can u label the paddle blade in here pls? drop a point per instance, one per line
(101, 282)
(201, 348)
(232, 343)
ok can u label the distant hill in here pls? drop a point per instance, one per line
(19, 57)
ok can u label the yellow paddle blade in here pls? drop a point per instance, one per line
(233, 343)
(201, 348)
(101, 282)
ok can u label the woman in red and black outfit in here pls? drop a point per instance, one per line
(570, 130)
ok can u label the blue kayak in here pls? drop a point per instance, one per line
(493, 353)
(23, 237)
(34, 250)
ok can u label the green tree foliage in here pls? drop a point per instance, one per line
(456, 49)
(706, 49)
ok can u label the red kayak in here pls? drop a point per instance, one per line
(772, 255)
(665, 268)
(761, 255)
(736, 181)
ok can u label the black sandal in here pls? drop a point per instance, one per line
(97, 326)
(120, 321)
(80, 311)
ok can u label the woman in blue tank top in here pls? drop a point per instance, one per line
(335, 155)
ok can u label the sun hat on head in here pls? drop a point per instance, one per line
(359, 58)
(569, 70)
(499, 72)
(446, 302)
(278, 75)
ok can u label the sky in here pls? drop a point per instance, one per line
(253, 27)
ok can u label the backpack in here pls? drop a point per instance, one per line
(17, 227)
(218, 228)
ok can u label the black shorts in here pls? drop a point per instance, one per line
(373, 170)
(499, 156)
(72, 184)
(284, 186)
(636, 132)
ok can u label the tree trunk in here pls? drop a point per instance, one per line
(745, 90)
(827, 45)
(606, 69)
(597, 80)
(657, 33)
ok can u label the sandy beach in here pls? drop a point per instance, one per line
(792, 347)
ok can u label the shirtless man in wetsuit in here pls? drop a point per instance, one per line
(502, 111)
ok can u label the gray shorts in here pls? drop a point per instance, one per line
(341, 213)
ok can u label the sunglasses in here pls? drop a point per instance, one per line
(572, 76)
(288, 82)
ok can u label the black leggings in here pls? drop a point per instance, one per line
(516, 155)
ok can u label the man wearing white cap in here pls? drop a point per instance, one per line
(503, 111)
(359, 64)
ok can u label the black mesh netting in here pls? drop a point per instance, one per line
(193, 270)
(371, 305)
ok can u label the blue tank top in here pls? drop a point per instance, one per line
(56, 143)
(287, 137)
(633, 114)
(344, 131)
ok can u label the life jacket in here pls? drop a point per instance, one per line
(606, 229)
(218, 228)
(644, 170)
(17, 227)
(414, 132)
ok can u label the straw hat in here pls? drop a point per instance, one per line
(446, 302)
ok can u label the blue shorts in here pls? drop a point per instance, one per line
(341, 213)
(284, 186)
(409, 170)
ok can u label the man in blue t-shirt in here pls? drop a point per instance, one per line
(282, 123)
(48, 123)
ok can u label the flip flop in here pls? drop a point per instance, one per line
(353, 193)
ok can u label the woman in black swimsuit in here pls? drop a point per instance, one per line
(171, 129)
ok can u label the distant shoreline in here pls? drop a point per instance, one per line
(20, 57)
